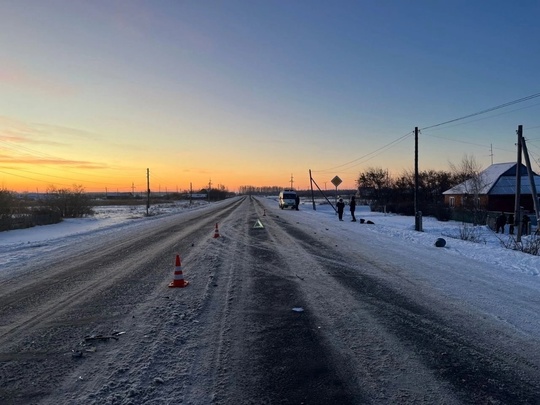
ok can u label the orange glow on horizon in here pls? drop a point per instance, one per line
(28, 179)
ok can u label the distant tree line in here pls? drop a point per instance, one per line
(264, 190)
(216, 194)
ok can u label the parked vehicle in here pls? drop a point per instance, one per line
(287, 198)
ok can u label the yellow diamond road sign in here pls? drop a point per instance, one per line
(336, 181)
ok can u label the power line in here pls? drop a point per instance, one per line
(520, 100)
(374, 153)
(381, 149)
(492, 116)
(468, 143)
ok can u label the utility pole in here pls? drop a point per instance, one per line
(292, 181)
(417, 214)
(534, 194)
(147, 190)
(311, 185)
(491, 152)
(517, 208)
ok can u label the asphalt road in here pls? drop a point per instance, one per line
(271, 315)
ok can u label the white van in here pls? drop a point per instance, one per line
(287, 198)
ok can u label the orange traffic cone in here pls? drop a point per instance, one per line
(216, 233)
(178, 280)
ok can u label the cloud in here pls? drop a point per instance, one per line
(17, 76)
(50, 129)
(19, 132)
(16, 136)
(41, 161)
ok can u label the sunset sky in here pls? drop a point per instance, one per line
(255, 92)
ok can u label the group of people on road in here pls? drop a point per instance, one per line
(341, 207)
(502, 220)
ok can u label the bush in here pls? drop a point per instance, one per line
(69, 203)
(7, 202)
(530, 244)
(16, 213)
(469, 233)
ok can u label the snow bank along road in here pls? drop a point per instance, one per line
(280, 314)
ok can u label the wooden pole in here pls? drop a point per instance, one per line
(417, 226)
(147, 190)
(517, 209)
(312, 195)
(531, 175)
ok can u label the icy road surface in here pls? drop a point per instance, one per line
(288, 313)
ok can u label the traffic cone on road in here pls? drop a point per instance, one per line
(216, 233)
(178, 280)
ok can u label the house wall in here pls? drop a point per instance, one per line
(501, 203)
(460, 199)
(495, 203)
(526, 202)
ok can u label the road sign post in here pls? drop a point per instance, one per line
(336, 181)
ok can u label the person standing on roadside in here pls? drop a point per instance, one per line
(525, 224)
(352, 207)
(500, 223)
(511, 224)
(340, 207)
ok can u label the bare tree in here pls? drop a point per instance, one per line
(373, 183)
(472, 184)
(430, 198)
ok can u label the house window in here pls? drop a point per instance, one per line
(452, 202)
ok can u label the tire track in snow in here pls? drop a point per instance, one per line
(473, 367)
